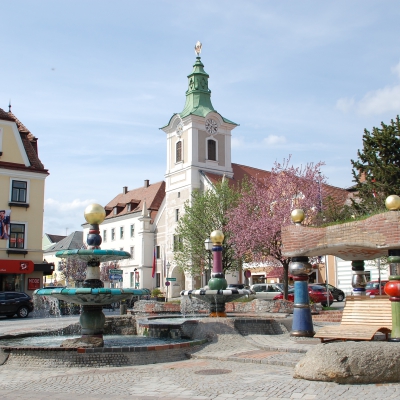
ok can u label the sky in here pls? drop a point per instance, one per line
(94, 80)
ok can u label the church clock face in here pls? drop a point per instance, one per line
(211, 126)
(179, 129)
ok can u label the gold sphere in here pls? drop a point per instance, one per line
(217, 237)
(297, 216)
(392, 202)
(94, 214)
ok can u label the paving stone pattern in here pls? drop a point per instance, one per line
(260, 365)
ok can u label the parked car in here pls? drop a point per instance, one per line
(336, 293)
(15, 303)
(317, 294)
(265, 290)
(237, 286)
(372, 287)
(280, 296)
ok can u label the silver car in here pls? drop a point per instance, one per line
(266, 290)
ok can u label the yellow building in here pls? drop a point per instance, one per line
(22, 179)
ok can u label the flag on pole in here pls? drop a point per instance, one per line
(153, 270)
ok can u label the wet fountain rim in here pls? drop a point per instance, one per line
(91, 296)
(93, 254)
(224, 292)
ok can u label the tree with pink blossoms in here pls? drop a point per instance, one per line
(265, 208)
(105, 270)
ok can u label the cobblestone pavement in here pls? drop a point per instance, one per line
(181, 380)
(231, 367)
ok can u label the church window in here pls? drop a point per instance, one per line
(179, 151)
(212, 150)
(176, 214)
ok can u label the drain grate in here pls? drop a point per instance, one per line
(213, 371)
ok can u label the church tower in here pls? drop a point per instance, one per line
(198, 142)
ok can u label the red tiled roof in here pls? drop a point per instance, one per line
(30, 145)
(241, 172)
(152, 194)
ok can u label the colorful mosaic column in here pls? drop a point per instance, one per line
(392, 288)
(358, 280)
(300, 268)
(92, 318)
(302, 324)
(217, 281)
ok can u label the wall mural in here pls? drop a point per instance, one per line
(5, 224)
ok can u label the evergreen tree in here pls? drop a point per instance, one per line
(204, 213)
(377, 170)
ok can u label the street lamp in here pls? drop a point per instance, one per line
(208, 244)
(167, 281)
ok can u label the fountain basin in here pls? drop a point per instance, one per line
(91, 296)
(216, 298)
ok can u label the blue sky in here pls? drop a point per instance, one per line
(95, 80)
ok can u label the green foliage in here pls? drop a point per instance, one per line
(156, 292)
(377, 170)
(204, 213)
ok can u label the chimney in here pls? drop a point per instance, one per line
(125, 190)
(146, 183)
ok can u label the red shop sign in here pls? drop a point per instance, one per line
(33, 283)
(16, 267)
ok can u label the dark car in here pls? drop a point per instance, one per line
(18, 303)
(336, 293)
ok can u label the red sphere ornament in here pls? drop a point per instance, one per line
(392, 289)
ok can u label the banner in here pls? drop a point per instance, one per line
(5, 224)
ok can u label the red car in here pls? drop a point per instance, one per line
(372, 288)
(317, 294)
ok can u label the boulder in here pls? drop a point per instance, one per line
(351, 362)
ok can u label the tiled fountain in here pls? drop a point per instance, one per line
(217, 294)
(92, 296)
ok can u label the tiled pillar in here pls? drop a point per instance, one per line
(302, 324)
(392, 288)
(358, 280)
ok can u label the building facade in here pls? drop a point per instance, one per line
(22, 180)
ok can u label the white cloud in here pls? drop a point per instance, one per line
(345, 104)
(236, 142)
(380, 101)
(71, 206)
(376, 101)
(273, 140)
(63, 218)
(396, 69)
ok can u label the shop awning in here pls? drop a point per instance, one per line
(16, 267)
(46, 268)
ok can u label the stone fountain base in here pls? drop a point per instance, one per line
(85, 341)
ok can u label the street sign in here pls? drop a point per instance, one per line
(115, 271)
(171, 279)
(167, 283)
(116, 277)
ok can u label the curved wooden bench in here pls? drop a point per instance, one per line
(362, 318)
